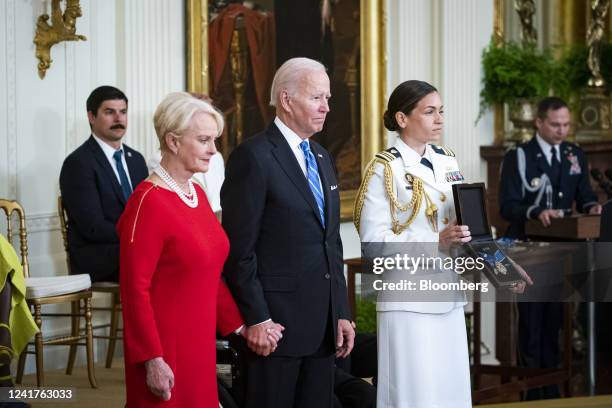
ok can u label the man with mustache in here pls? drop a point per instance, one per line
(96, 181)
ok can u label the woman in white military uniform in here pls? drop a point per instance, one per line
(406, 196)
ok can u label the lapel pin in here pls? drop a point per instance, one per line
(320, 155)
(539, 155)
(129, 154)
(335, 186)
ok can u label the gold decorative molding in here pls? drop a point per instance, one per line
(595, 34)
(373, 79)
(62, 28)
(498, 21)
(498, 38)
(197, 46)
(526, 10)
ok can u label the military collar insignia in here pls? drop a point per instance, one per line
(389, 155)
(443, 150)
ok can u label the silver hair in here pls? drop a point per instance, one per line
(288, 76)
(174, 113)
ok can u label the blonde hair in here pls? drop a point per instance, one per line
(174, 113)
(289, 74)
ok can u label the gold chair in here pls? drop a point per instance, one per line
(50, 290)
(111, 288)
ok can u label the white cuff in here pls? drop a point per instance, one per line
(257, 324)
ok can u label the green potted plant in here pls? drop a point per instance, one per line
(516, 76)
(574, 69)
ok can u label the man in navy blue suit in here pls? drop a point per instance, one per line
(95, 182)
(540, 180)
(281, 212)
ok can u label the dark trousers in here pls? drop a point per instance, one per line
(100, 261)
(291, 382)
(353, 392)
(286, 382)
(539, 326)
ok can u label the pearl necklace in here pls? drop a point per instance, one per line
(190, 199)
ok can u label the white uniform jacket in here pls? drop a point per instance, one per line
(374, 220)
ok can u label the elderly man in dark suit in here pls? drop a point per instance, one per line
(281, 209)
(96, 181)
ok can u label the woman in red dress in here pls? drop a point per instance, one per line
(172, 253)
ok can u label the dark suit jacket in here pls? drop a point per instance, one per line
(515, 201)
(283, 264)
(94, 201)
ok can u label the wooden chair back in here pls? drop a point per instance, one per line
(10, 207)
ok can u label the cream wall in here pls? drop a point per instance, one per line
(138, 46)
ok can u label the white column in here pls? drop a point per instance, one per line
(412, 49)
(8, 103)
(466, 30)
(154, 62)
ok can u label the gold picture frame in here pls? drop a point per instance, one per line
(372, 81)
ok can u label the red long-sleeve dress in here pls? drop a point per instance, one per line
(172, 296)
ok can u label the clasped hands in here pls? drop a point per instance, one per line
(263, 338)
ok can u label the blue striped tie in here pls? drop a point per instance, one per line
(312, 174)
(125, 184)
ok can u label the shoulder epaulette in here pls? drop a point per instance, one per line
(389, 155)
(443, 150)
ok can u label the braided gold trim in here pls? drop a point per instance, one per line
(414, 203)
(418, 192)
(363, 189)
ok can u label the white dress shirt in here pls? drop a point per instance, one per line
(108, 151)
(294, 142)
(545, 146)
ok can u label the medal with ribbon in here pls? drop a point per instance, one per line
(496, 261)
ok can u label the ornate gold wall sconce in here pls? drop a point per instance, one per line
(62, 28)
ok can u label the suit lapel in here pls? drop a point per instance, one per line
(135, 177)
(565, 163)
(422, 172)
(539, 157)
(437, 163)
(106, 167)
(285, 157)
(324, 169)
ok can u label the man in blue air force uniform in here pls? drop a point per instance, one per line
(540, 180)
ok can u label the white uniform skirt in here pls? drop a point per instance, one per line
(423, 360)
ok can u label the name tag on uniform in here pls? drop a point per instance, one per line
(455, 175)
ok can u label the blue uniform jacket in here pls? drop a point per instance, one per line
(517, 204)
